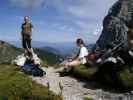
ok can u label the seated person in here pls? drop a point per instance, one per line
(81, 57)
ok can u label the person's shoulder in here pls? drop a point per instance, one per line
(84, 47)
(31, 24)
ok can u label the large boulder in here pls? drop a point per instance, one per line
(21, 60)
(117, 29)
(116, 25)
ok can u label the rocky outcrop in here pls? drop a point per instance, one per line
(117, 24)
(117, 29)
(21, 59)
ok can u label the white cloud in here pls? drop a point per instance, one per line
(30, 4)
(90, 8)
(86, 14)
(83, 16)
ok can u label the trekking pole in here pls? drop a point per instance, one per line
(61, 88)
(111, 52)
(48, 86)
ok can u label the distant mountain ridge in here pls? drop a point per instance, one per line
(50, 49)
(64, 49)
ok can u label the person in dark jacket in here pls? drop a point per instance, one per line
(26, 35)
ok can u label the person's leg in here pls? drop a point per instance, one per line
(74, 63)
(29, 47)
(29, 43)
(24, 45)
(69, 65)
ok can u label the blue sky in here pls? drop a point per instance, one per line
(54, 20)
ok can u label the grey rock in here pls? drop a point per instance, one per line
(116, 25)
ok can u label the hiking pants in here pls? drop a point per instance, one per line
(26, 42)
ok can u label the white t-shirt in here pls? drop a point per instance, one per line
(82, 55)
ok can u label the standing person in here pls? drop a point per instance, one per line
(26, 35)
(81, 57)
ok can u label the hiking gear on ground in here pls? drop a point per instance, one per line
(33, 70)
(24, 58)
(29, 63)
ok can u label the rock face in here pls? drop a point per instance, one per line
(117, 29)
(117, 24)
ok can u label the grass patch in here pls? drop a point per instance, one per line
(14, 85)
(84, 71)
(127, 78)
(87, 98)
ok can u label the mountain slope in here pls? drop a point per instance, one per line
(9, 52)
(48, 57)
(18, 86)
(50, 49)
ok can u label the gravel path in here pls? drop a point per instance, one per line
(72, 89)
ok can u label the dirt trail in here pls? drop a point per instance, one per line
(72, 89)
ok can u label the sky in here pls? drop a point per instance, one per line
(54, 20)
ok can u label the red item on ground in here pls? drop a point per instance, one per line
(92, 56)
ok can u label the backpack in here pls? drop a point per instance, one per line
(33, 70)
(38, 72)
(27, 68)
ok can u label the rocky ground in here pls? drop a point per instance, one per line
(72, 89)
